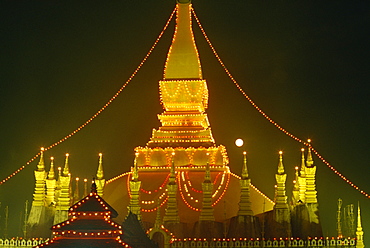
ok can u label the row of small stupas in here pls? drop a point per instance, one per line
(53, 195)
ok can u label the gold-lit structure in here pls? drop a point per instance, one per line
(181, 187)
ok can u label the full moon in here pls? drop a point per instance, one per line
(239, 142)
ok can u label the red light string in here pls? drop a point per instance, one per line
(102, 108)
(269, 118)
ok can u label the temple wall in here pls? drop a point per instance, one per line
(12, 243)
(314, 243)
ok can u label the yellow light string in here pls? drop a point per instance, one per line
(101, 109)
(269, 118)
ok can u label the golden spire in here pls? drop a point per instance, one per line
(280, 165)
(303, 164)
(41, 164)
(245, 203)
(182, 58)
(359, 231)
(51, 174)
(100, 173)
(100, 181)
(245, 169)
(66, 166)
(135, 172)
(281, 198)
(309, 162)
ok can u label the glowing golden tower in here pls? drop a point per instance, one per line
(185, 128)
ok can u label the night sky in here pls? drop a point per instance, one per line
(306, 64)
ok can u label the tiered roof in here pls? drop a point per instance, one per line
(90, 225)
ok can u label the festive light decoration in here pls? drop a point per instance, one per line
(101, 109)
(190, 94)
(269, 118)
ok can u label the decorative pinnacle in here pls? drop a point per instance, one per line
(51, 174)
(303, 165)
(245, 168)
(66, 166)
(359, 226)
(41, 164)
(135, 173)
(100, 173)
(309, 162)
(280, 165)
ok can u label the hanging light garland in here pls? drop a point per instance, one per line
(101, 109)
(269, 118)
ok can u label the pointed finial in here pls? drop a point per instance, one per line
(51, 174)
(359, 226)
(303, 164)
(135, 173)
(309, 161)
(41, 164)
(245, 168)
(100, 173)
(66, 166)
(280, 165)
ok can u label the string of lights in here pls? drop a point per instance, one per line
(269, 118)
(101, 109)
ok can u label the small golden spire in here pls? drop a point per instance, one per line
(51, 174)
(245, 168)
(100, 173)
(183, 58)
(303, 165)
(309, 161)
(66, 166)
(280, 165)
(41, 164)
(135, 172)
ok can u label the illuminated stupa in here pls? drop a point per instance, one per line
(180, 186)
(185, 141)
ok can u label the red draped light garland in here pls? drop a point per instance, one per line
(101, 109)
(269, 118)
